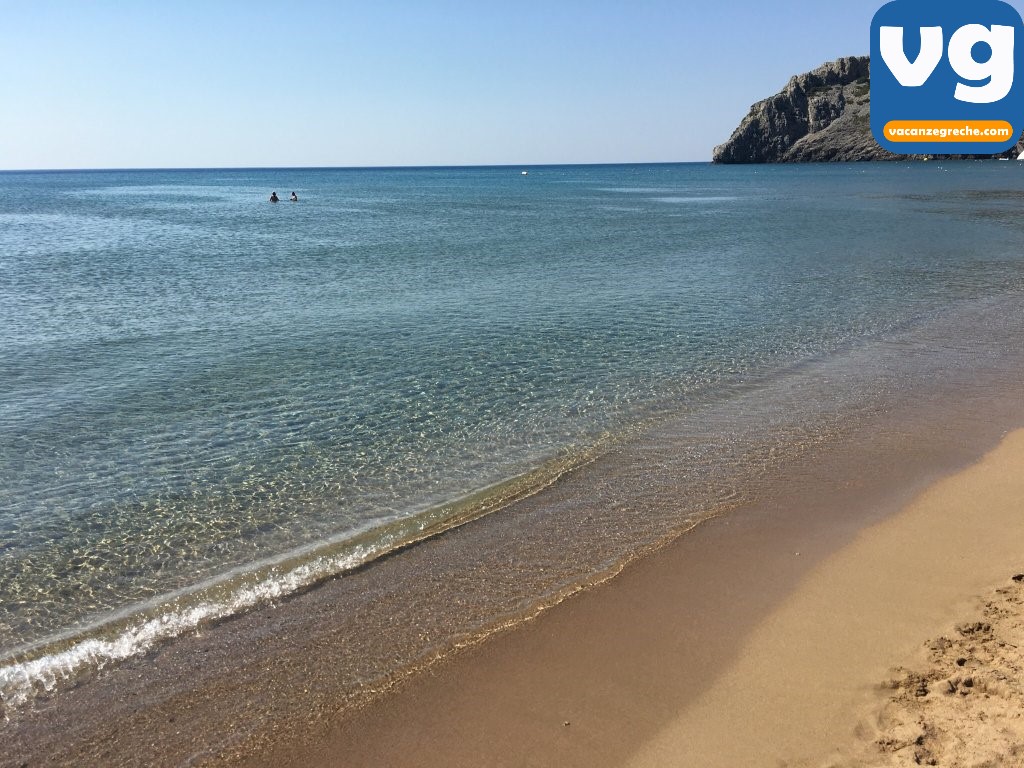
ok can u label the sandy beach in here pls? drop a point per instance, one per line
(900, 647)
(923, 582)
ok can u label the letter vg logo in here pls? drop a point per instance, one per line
(947, 76)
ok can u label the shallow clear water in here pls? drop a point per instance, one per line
(193, 380)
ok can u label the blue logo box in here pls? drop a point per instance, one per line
(947, 77)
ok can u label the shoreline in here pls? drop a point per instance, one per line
(804, 685)
(621, 661)
(618, 661)
(618, 658)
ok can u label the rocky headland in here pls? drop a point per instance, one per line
(820, 116)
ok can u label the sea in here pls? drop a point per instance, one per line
(210, 403)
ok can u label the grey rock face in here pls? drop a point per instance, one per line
(820, 116)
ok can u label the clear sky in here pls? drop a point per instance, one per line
(226, 83)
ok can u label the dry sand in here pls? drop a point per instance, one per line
(962, 702)
(809, 676)
(901, 647)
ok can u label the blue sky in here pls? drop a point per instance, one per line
(219, 83)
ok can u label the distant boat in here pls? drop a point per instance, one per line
(526, 173)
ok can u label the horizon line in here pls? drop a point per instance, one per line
(345, 167)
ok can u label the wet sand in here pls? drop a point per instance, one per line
(660, 668)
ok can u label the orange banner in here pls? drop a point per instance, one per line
(923, 131)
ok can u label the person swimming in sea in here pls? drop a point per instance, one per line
(273, 197)
(294, 198)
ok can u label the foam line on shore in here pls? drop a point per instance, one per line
(44, 667)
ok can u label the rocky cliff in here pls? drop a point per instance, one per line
(821, 116)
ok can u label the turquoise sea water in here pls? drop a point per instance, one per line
(208, 401)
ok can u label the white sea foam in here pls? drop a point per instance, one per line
(21, 681)
(712, 199)
(639, 190)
